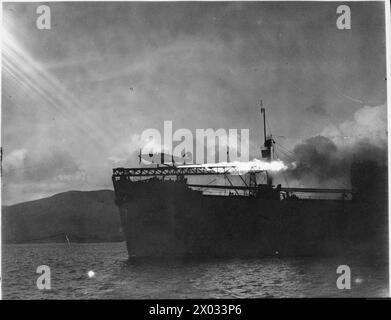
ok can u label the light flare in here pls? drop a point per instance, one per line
(26, 75)
(91, 274)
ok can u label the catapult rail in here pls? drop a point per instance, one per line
(171, 171)
(304, 190)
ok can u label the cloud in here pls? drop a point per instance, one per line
(31, 174)
(368, 123)
(328, 156)
(316, 110)
(22, 165)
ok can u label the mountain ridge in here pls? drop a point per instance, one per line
(80, 216)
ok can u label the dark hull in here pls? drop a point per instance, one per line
(167, 219)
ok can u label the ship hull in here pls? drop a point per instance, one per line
(168, 219)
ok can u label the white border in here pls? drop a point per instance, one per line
(314, 1)
(1, 163)
(388, 64)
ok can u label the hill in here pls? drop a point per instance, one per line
(82, 216)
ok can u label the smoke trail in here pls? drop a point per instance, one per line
(240, 168)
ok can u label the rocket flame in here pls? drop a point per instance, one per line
(240, 168)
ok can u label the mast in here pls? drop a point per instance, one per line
(266, 151)
(252, 192)
(264, 120)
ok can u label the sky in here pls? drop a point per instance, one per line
(76, 97)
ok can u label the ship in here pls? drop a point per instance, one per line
(165, 216)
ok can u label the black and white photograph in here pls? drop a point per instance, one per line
(155, 150)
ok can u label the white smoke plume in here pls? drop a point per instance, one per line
(240, 168)
(368, 123)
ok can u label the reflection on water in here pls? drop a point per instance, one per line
(101, 271)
